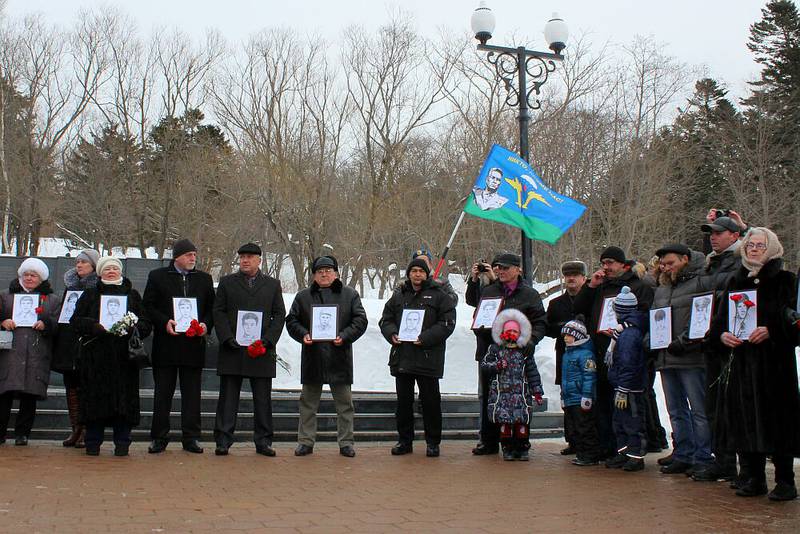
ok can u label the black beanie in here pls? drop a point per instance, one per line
(613, 253)
(181, 247)
(418, 262)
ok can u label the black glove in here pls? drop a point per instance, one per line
(232, 344)
(676, 347)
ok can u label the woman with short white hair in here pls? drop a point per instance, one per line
(25, 367)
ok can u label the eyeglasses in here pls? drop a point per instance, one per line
(502, 267)
(325, 270)
(756, 246)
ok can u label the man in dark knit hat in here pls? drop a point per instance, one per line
(508, 284)
(176, 354)
(560, 312)
(606, 283)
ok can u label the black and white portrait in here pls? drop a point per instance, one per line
(184, 309)
(700, 320)
(112, 309)
(660, 328)
(248, 327)
(411, 325)
(24, 312)
(68, 308)
(324, 320)
(488, 198)
(742, 313)
(488, 309)
(608, 319)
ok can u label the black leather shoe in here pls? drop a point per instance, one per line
(783, 492)
(481, 449)
(192, 446)
(432, 451)
(303, 450)
(221, 450)
(21, 441)
(402, 448)
(347, 451)
(666, 460)
(617, 462)
(157, 446)
(676, 467)
(752, 489)
(568, 450)
(92, 451)
(2, 441)
(121, 450)
(265, 450)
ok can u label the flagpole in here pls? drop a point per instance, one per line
(449, 243)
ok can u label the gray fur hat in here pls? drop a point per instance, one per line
(512, 314)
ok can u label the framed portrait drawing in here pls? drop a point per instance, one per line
(68, 306)
(248, 327)
(411, 325)
(700, 319)
(608, 319)
(660, 328)
(184, 309)
(112, 309)
(742, 313)
(488, 308)
(324, 322)
(24, 311)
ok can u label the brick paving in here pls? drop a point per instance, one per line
(45, 488)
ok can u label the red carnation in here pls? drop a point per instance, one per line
(749, 303)
(39, 310)
(194, 329)
(737, 297)
(256, 349)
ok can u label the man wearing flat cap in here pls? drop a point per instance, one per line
(560, 312)
(681, 364)
(176, 354)
(248, 290)
(508, 284)
(607, 282)
(328, 361)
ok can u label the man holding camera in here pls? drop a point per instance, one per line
(503, 278)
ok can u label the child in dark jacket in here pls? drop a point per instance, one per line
(627, 373)
(516, 383)
(579, 374)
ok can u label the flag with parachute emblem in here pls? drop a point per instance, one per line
(509, 191)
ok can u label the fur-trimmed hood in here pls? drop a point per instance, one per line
(512, 314)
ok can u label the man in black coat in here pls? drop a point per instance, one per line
(606, 283)
(420, 361)
(560, 312)
(326, 361)
(248, 293)
(507, 283)
(176, 352)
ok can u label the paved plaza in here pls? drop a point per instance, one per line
(45, 488)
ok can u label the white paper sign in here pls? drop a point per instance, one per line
(488, 308)
(248, 327)
(608, 319)
(700, 320)
(112, 309)
(68, 307)
(184, 309)
(24, 311)
(660, 328)
(742, 313)
(411, 325)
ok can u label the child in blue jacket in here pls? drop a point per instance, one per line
(627, 374)
(579, 374)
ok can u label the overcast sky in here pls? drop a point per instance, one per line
(709, 33)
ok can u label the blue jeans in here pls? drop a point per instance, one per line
(685, 392)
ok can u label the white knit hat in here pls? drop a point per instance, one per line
(35, 265)
(105, 261)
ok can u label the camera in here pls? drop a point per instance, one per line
(481, 267)
(722, 213)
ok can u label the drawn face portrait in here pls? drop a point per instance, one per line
(325, 320)
(660, 316)
(493, 179)
(412, 321)
(113, 307)
(249, 324)
(71, 302)
(185, 308)
(701, 305)
(26, 303)
(741, 310)
(488, 310)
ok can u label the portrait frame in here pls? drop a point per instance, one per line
(183, 321)
(608, 318)
(23, 312)
(486, 312)
(109, 314)
(742, 327)
(244, 337)
(700, 319)
(411, 324)
(660, 329)
(321, 330)
(66, 309)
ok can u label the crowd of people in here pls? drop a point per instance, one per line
(731, 391)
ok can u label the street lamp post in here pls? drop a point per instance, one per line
(524, 65)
